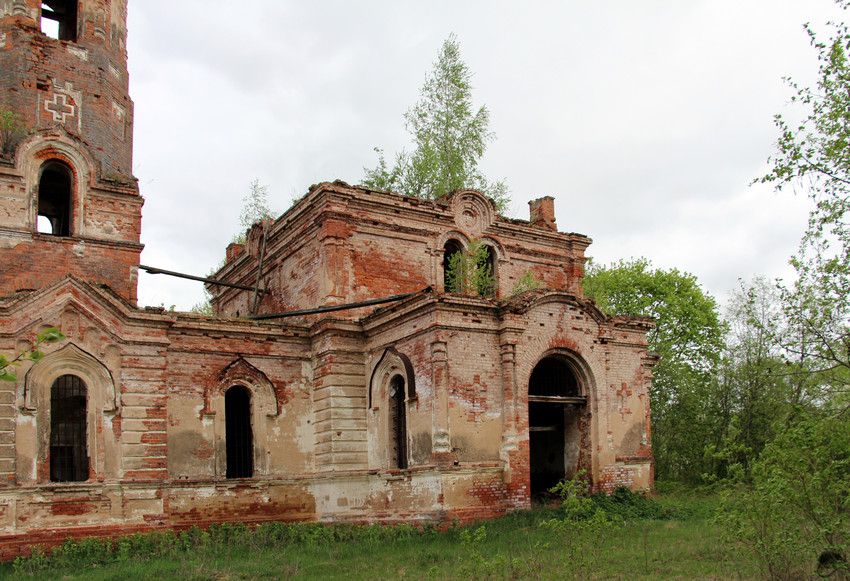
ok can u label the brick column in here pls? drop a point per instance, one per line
(513, 454)
(339, 397)
(442, 445)
(508, 341)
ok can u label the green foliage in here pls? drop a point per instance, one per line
(255, 208)
(798, 508)
(255, 205)
(49, 335)
(814, 156)
(470, 272)
(757, 389)
(582, 525)
(11, 132)
(688, 337)
(628, 505)
(528, 282)
(578, 504)
(449, 136)
(203, 308)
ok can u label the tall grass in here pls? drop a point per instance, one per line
(640, 539)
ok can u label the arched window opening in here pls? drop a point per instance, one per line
(59, 19)
(554, 408)
(450, 282)
(54, 199)
(69, 461)
(487, 278)
(398, 423)
(238, 435)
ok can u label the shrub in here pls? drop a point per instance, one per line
(470, 272)
(11, 132)
(628, 505)
(528, 282)
(795, 518)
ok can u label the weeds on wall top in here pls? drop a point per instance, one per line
(12, 132)
(528, 282)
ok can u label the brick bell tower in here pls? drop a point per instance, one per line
(69, 204)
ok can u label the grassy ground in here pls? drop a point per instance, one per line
(684, 545)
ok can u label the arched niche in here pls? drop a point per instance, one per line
(69, 360)
(392, 395)
(240, 372)
(56, 145)
(263, 409)
(32, 441)
(391, 363)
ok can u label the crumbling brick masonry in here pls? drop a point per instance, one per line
(435, 406)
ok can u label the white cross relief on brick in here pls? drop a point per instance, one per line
(59, 107)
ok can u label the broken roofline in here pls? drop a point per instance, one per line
(440, 207)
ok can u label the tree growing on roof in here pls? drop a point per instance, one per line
(255, 207)
(449, 135)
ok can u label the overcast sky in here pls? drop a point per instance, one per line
(646, 120)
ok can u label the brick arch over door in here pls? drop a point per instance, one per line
(391, 400)
(559, 388)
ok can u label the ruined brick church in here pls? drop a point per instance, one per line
(431, 406)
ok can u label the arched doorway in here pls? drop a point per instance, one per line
(555, 405)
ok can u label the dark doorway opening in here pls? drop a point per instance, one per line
(398, 423)
(54, 199)
(238, 434)
(69, 461)
(554, 407)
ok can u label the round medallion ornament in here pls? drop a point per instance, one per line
(473, 212)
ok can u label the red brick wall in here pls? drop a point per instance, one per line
(46, 259)
(345, 244)
(88, 78)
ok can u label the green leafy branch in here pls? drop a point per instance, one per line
(50, 335)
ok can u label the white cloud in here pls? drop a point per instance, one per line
(646, 120)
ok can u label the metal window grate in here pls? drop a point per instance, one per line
(69, 461)
(238, 435)
(398, 423)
